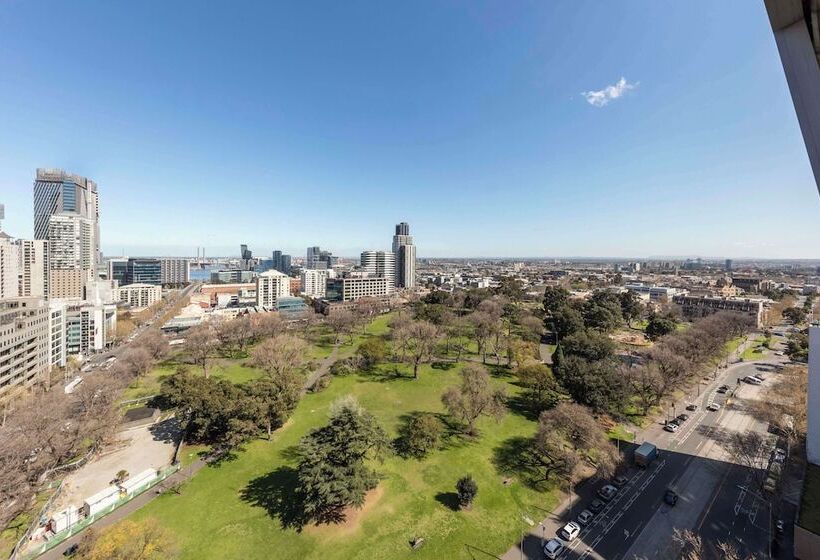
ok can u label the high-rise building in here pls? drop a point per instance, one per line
(287, 265)
(270, 286)
(246, 256)
(314, 282)
(32, 268)
(9, 267)
(24, 344)
(380, 263)
(281, 262)
(728, 264)
(405, 256)
(66, 214)
(143, 271)
(118, 270)
(312, 257)
(318, 259)
(175, 272)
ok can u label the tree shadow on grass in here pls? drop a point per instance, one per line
(448, 500)
(513, 458)
(275, 492)
(521, 405)
(385, 373)
(498, 371)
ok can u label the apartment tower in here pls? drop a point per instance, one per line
(405, 257)
(66, 215)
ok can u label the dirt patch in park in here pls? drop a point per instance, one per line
(353, 517)
(630, 338)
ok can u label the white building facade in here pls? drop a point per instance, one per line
(313, 282)
(380, 263)
(140, 296)
(32, 267)
(24, 344)
(9, 267)
(353, 288)
(56, 328)
(270, 286)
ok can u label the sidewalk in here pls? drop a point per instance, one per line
(533, 537)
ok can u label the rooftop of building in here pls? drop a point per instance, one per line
(272, 272)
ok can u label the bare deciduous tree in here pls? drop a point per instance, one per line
(475, 397)
(154, 342)
(267, 324)
(201, 343)
(282, 357)
(341, 322)
(416, 342)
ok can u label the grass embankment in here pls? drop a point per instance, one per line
(755, 351)
(15, 529)
(235, 510)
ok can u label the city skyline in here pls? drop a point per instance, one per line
(592, 153)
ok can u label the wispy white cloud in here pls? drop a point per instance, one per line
(602, 97)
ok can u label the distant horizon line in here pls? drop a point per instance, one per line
(651, 258)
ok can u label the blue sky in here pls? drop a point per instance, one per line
(325, 123)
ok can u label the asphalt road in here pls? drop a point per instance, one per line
(97, 360)
(692, 461)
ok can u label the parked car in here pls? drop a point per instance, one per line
(553, 548)
(713, 407)
(71, 550)
(752, 380)
(596, 505)
(682, 417)
(670, 427)
(692, 407)
(722, 389)
(569, 531)
(607, 492)
(779, 455)
(670, 497)
(620, 481)
(585, 517)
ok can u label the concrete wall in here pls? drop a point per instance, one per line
(806, 543)
(813, 435)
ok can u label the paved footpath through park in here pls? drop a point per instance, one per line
(178, 477)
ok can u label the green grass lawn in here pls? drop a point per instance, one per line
(215, 518)
(755, 350)
(149, 384)
(619, 431)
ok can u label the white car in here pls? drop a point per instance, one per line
(569, 531)
(553, 548)
(779, 455)
(713, 407)
(585, 517)
(671, 428)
